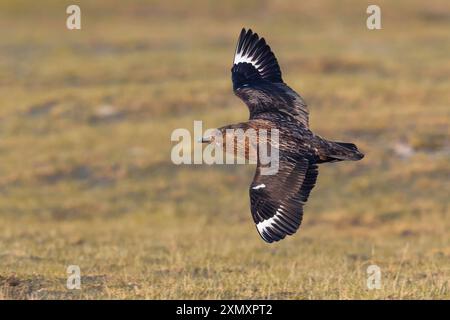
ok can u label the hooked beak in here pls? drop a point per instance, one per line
(205, 139)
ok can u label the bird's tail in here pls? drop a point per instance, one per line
(339, 151)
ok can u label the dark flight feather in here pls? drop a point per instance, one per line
(257, 80)
(254, 61)
(277, 200)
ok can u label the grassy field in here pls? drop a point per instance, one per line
(86, 177)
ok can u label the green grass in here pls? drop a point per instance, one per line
(86, 177)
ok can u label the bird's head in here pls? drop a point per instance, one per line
(219, 136)
(212, 136)
(233, 139)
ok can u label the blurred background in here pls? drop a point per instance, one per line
(86, 177)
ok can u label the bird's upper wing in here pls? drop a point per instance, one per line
(277, 200)
(257, 80)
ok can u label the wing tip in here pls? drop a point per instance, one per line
(254, 51)
(271, 237)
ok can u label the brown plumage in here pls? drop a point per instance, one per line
(277, 200)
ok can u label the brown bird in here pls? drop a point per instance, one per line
(277, 200)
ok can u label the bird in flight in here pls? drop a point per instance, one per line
(277, 200)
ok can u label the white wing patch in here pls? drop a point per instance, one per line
(259, 186)
(263, 225)
(239, 58)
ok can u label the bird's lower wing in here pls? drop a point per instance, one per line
(277, 200)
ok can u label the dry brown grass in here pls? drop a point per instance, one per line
(86, 176)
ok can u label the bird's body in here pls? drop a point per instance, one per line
(277, 200)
